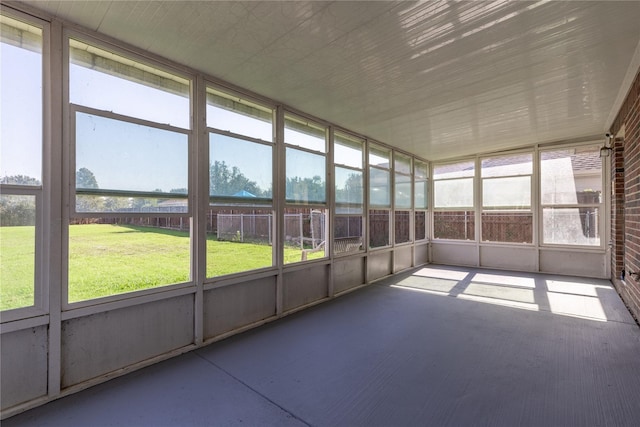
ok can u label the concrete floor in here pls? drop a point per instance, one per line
(440, 346)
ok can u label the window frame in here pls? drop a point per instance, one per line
(294, 203)
(408, 210)
(258, 202)
(376, 208)
(504, 209)
(424, 210)
(472, 210)
(601, 206)
(41, 278)
(242, 204)
(336, 164)
(40, 294)
(69, 159)
(306, 205)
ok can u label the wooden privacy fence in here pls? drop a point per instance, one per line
(301, 229)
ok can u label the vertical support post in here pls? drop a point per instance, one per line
(536, 209)
(329, 213)
(199, 198)
(55, 111)
(242, 227)
(300, 221)
(279, 178)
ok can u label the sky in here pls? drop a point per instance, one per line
(131, 157)
(20, 112)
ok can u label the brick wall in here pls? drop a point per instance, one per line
(626, 200)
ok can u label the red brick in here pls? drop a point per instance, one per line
(625, 206)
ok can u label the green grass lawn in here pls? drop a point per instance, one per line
(17, 266)
(112, 259)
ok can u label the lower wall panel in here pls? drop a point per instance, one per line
(234, 306)
(454, 254)
(305, 286)
(23, 374)
(402, 258)
(100, 343)
(379, 265)
(586, 264)
(509, 258)
(347, 274)
(420, 254)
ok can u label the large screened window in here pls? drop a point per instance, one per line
(402, 197)
(305, 161)
(305, 217)
(349, 198)
(571, 196)
(130, 217)
(506, 198)
(420, 199)
(379, 196)
(240, 216)
(20, 161)
(453, 207)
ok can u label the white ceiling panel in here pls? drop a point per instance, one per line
(440, 79)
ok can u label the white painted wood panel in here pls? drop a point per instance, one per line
(348, 273)
(23, 373)
(454, 253)
(509, 258)
(402, 258)
(585, 264)
(234, 306)
(305, 286)
(379, 264)
(420, 254)
(98, 344)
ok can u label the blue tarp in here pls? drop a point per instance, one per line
(243, 193)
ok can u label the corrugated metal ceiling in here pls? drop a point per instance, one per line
(439, 79)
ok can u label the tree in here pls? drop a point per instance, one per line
(17, 210)
(19, 180)
(225, 181)
(85, 179)
(352, 191)
(307, 189)
(86, 202)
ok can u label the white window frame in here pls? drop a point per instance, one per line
(42, 279)
(362, 142)
(377, 207)
(473, 209)
(69, 165)
(531, 201)
(417, 209)
(301, 204)
(396, 209)
(602, 206)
